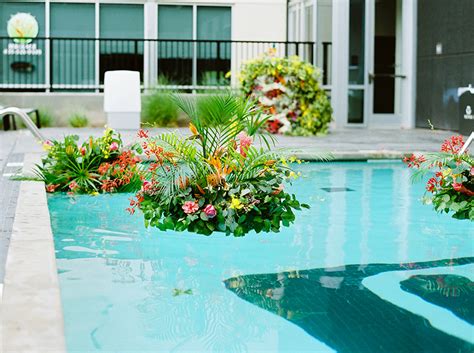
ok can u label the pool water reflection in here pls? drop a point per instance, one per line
(360, 265)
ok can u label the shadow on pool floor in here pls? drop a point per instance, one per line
(333, 306)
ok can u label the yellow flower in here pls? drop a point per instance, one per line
(69, 149)
(272, 51)
(294, 175)
(236, 204)
(446, 172)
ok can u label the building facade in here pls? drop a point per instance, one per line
(188, 43)
(378, 56)
(392, 63)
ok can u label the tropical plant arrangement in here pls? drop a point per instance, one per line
(289, 89)
(216, 180)
(97, 165)
(451, 189)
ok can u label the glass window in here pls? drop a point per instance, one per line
(73, 60)
(356, 42)
(121, 21)
(175, 22)
(356, 106)
(22, 62)
(121, 31)
(213, 25)
(175, 57)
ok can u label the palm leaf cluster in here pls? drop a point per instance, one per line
(227, 172)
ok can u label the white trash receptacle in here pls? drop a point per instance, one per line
(122, 103)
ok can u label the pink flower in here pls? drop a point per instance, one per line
(73, 185)
(457, 186)
(245, 142)
(210, 211)
(147, 185)
(113, 146)
(51, 187)
(83, 151)
(190, 207)
(472, 171)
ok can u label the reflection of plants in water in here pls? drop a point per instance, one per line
(177, 291)
(446, 285)
(123, 271)
(452, 292)
(271, 294)
(205, 315)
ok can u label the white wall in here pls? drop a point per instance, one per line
(259, 20)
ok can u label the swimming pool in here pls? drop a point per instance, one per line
(367, 269)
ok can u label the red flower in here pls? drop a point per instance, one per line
(103, 168)
(453, 144)
(432, 184)
(414, 161)
(142, 133)
(273, 126)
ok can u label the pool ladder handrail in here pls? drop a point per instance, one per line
(468, 142)
(26, 120)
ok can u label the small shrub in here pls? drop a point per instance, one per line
(159, 109)
(78, 120)
(46, 117)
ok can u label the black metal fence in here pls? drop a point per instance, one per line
(79, 64)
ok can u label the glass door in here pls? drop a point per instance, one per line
(384, 69)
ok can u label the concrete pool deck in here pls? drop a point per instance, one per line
(31, 313)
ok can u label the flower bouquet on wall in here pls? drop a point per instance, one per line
(216, 180)
(451, 189)
(97, 165)
(289, 89)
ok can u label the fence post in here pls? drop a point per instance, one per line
(51, 66)
(325, 63)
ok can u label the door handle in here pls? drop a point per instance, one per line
(373, 76)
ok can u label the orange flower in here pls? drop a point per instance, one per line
(201, 190)
(193, 129)
(183, 182)
(213, 179)
(270, 162)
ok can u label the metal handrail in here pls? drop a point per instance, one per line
(26, 120)
(468, 142)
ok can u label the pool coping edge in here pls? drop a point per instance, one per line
(31, 310)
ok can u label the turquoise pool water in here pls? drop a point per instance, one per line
(367, 269)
